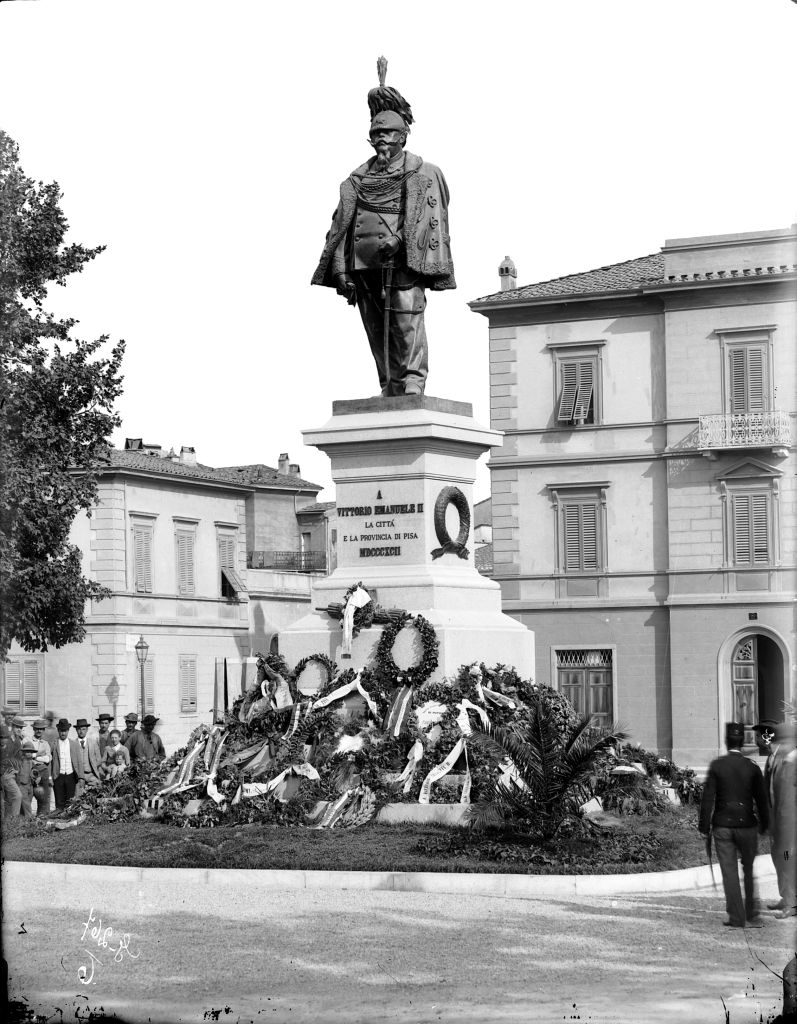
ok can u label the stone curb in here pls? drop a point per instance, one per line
(506, 886)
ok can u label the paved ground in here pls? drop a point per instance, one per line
(239, 954)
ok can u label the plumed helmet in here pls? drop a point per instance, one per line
(384, 99)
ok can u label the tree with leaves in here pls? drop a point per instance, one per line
(56, 414)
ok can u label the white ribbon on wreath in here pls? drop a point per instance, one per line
(462, 717)
(358, 598)
(413, 759)
(250, 789)
(343, 691)
(440, 770)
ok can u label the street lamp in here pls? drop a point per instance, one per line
(142, 649)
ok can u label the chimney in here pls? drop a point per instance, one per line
(151, 449)
(188, 456)
(507, 274)
(284, 464)
(293, 469)
(133, 444)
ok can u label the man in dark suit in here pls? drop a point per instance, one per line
(733, 792)
(67, 763)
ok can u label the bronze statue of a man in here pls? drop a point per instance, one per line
(389, 242)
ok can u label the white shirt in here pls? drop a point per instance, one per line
(65, 757)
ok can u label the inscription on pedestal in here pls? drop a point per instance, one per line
(383, 529)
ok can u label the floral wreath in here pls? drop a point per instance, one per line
(416, 674)
(320, 659)
(363, 617)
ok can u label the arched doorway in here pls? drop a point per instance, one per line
(757, 682)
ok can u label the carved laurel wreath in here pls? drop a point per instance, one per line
(451, 496)
(387, 668)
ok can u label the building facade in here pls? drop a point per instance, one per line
(203, 563)
(644, 499)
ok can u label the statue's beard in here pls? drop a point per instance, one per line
(382, 158)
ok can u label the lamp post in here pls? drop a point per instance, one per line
(142, 649)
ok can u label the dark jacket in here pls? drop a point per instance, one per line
(734, 791)
(427, 243)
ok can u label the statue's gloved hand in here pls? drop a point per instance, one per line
(389, 248)
(344, 285)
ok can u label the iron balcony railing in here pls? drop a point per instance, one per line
(745, 430)
(288, 561)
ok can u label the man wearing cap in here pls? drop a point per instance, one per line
(131, 726)
(144, 744)
(388, 243)
(103, 733)
(734, 790)
(67, 763)
(42, 782)
(781, 778)
(89, 753)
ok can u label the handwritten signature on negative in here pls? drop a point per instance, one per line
(103, 937)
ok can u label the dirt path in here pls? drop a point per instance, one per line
(236, 953)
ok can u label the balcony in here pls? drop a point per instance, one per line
(287, 561)
(770, 429)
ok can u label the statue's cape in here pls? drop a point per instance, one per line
(427, 244)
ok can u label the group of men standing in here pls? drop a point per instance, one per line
(53, 763)
(738, 803)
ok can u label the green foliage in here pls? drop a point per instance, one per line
(630, 794)
(56, 400)
(576, 848)
(554, 753)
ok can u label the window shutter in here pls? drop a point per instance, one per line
(13, 695)
(589, 536)
(741, 529)
(737, 389)
(760, 531)
(569, 391)
(31, 687)
(149, 687)
(571, 538)
(748, 384)
(227, 545)
(185, 562)
(580, 537)
(756, 390)
(187, 673)
(585, 387)
(142, 558)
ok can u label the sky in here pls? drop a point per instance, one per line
(204, 143)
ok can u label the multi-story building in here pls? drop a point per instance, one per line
(644, 499)
(205, 564)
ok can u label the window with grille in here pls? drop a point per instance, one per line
(142, 557)
(23, 685)
(584, 676)
(185, 542)
(751, 526)
(187, 682)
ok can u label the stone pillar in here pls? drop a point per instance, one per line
(402, 468)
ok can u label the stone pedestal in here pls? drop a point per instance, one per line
(394, 461)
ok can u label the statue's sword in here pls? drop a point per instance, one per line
(386, 340)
